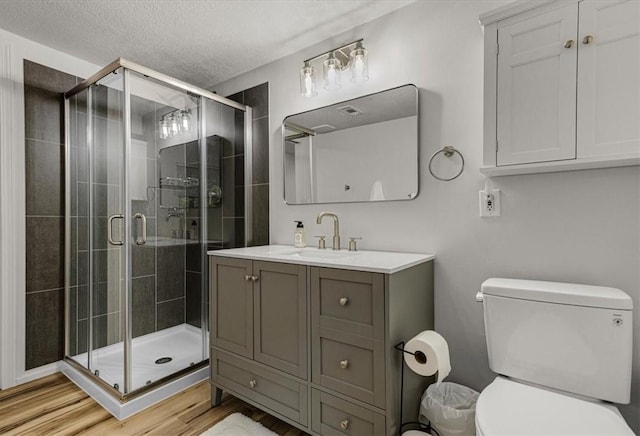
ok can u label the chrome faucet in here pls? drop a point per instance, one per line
(175, 212)
(336, 227)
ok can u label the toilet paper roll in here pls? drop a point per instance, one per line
(430, 355)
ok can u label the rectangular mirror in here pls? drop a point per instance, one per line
(365, 149)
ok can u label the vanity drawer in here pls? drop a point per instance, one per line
(332, 416)
(268, 388)
(349, 364)
(350, 301)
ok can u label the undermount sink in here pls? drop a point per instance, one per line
(315, 253)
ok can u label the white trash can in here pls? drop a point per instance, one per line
(450, 408)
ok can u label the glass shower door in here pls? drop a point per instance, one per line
(164, 154)
(95, 229)
(107, 230)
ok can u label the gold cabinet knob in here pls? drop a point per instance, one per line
(344, 301)
(252, 383)
(344, 424)
(587, 39)
(344, 364)
(568, 44)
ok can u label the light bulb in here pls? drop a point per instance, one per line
(359, 64)
(307, 81)
(332, 73)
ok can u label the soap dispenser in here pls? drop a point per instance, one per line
(299, 239)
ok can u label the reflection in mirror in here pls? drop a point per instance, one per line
(365, 149)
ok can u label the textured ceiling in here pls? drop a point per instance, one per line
(203, 42)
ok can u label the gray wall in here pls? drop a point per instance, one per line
(578, 227)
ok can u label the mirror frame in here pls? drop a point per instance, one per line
(282, 143)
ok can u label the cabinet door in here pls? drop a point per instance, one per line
(280, 307)
(536, 113)
(231, 305)
(609, 78)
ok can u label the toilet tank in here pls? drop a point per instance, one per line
(575, 338)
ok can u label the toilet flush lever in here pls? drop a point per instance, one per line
(479, 297)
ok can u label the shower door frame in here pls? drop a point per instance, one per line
(126, 330)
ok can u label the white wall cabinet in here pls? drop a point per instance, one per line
(562, 86)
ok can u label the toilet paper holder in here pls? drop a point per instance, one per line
(418, 426)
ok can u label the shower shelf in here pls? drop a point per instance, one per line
(179, 182)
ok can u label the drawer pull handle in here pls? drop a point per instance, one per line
(344, 424)
(587, 39)
(568, 44)
(252, 383)
(247, 277)
(344, 301)
(344, 364)
(254, 278)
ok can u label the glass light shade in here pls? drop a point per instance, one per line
(185, 121)
(332, 73)
(174, 126)
(164, 129)
(359, 64)
(308, 81)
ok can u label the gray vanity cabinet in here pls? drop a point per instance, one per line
(231, 320)
(259, 311)
(347, 313)
(314, 346)
(280, 316)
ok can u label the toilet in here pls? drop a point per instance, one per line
(562, 353)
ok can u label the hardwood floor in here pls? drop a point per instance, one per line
(54, 405)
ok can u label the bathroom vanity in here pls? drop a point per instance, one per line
(308, 335)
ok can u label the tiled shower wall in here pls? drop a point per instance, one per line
(258, 98)
(44, 166)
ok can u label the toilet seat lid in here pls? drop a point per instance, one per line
(508, 407)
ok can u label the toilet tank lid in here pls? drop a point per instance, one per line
(560, 293)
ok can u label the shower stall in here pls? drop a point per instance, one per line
(150, 162)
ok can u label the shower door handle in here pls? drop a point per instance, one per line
(110, 230)
(143, 239)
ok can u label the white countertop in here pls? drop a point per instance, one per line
(386, 262)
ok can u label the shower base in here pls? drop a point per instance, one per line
(182, 344)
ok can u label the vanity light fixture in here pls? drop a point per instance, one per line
(174, 123)
(350, 57)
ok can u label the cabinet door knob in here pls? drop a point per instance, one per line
(252, 383)
(344, 424)
(344, 301)
(254, 278)
(247, 277)
(587, 39)
(344, 364)
(568, 44)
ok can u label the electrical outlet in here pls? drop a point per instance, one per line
(490, 203)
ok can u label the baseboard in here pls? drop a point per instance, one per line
(39, 372)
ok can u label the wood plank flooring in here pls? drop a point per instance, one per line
(53, 405)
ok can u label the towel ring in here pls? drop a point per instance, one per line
(448, 151)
